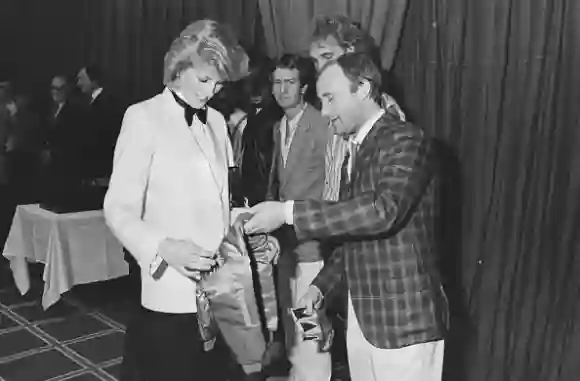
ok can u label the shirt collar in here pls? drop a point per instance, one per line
(96, 93)
(296, 117)
(364, 130)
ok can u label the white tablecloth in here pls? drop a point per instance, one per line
(76, 248)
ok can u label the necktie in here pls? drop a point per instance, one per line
(350, 157)
(347, 168)
(288, 133)
(344, 181)
(189, 111)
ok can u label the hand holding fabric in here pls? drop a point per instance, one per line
(311, 301)
(243, 213)
(186, 257)
(266, 217)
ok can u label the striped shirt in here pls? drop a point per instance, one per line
(337, 148)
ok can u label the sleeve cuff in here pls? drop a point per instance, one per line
(289, 212)
(323, 291)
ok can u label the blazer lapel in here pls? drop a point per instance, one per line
(299, 142)
(213, 153)
(278, 160)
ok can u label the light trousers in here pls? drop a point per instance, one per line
(308, 363)
(419, 362)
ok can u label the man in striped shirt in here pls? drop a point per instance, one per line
(333, 37)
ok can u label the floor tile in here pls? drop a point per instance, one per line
(35, 312)
(38, 367)
(114, 370)
(15, 342)
(102, 348)
(84, 377)
(6, 322)
(73, 327)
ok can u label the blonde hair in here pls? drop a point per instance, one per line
(212, 43)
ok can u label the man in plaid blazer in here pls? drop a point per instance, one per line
(384, 226)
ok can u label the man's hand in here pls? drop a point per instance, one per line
(266, 217)
(312, 300)
(236, 212)
(186, 257)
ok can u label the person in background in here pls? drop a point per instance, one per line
(101, 124)
(168, 201)
(384, 226)
(300, 140)
(331, 38)
(22, 149)
(61, 155)
(257, 140)
(7, 112)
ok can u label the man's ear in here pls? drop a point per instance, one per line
(364, 89)
(303, 89)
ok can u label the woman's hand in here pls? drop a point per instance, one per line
(186, 257)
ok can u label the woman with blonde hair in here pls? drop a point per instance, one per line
(168, 201)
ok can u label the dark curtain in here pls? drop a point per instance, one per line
(127, 38)
(498, 82)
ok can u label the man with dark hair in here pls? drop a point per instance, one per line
(383, 225)
(300, 140)
(103, 122)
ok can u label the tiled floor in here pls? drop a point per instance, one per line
(80, 338)
(73, 340)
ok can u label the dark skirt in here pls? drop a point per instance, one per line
(163, 346)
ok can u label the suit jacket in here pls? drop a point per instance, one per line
(384, 223)
(103, 122)
(258, 147)
(61, 138)
(303, 175)
(169, 180)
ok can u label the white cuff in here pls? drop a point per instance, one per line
(289, 212)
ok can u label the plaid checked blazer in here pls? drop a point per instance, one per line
(383, 225)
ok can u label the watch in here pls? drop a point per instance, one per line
(157, 267)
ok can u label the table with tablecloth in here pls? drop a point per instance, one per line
(76, 248)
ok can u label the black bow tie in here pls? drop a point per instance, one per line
(189, 111)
